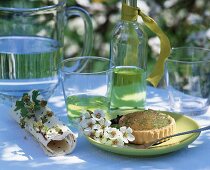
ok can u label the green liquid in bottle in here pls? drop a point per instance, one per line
(128, 88)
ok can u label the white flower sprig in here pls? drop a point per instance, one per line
(95, 125)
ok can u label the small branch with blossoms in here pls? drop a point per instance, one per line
(96, 126)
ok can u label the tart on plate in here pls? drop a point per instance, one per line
(148, 125)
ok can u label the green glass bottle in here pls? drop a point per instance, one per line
(128, 52)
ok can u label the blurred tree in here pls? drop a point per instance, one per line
(187, 23)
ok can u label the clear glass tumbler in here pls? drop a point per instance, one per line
(188, 80)
(85, 83)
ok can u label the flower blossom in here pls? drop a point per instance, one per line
(90, 132)
(115, 142)
(99, 136)
(104, 124)
(96, 126)
(127, 134)
(98, 114)
(89, 124)
(112, 133)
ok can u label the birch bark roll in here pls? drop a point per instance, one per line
(33, 114)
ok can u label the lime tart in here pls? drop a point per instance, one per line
(148, 125)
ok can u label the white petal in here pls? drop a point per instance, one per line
(97, 139)
(97, 119)
(117, 142)
(129, 130)
(100, 112)
(84, 123)
(131, 137)
(102, 121)
(103, 140)
(107, 123)
(108, 142)
(108, 129)
(120, 142)
(123, 129)
(99, 133)
(96, 127)
(87, 115)
(87, 131)
(114, 133)
(106, 134)
(125, 140)
(92, 120)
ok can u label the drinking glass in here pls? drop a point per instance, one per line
(31, 44)
(188, 80)
(85, 83)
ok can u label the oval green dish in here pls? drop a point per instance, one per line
(183, 123)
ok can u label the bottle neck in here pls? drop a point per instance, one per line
(132, 3)
(126, 11)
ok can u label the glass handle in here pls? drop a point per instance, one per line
(88, 36)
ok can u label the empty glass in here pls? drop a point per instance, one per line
(188, 80)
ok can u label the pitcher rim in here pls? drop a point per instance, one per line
(42, 8)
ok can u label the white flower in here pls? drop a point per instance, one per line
(98, 114)
(88, 123)
(89, 132)
(127, 134)
(99, 136)
(84, 115)
(104, 123)
(87, 114)
(99, 133)
(95, 125)
(115, 142)
(112, 133)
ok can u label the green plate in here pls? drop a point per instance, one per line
(183, 123)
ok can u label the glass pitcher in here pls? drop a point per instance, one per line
(31, 44)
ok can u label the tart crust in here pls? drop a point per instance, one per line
(148, 125)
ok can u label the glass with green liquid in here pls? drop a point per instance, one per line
(85, 81)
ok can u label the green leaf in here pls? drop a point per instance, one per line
(19, 105)
(37, 107)
(35, 94)
(24, 94)
(24, 112)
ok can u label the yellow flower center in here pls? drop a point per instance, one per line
(115, 142)
(113, 133)
(98, 115)
(90, 124)
(125, 135)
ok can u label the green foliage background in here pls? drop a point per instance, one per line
(187, 23)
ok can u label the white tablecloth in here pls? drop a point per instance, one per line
(18, 150)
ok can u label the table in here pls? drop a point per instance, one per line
(18, 150)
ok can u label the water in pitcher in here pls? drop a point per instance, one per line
(28, 63)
